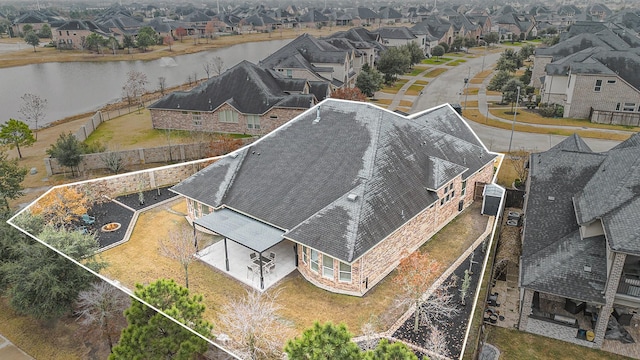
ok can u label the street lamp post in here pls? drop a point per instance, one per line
(514, 119)
(466, 88)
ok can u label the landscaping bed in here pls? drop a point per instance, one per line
(455, 327)
(151, 197)
(110, 212)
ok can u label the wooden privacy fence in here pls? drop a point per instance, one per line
(615, 117)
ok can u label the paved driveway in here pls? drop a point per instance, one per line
(8, 351)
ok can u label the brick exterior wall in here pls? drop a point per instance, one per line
(582, 97)
(77, 38)
(539, 64)
(183, 120)
(378, 262)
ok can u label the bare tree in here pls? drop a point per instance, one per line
(135, 86)
(207, 67)
(102, 307)
(252, 323)
(518, 160)
(369, 332)
(162, 84)
(437, 342)
(32, 109)
(415, 276)
(217, 64)
(180, 246)
(113, 160)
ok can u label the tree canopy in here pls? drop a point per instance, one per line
(437, 51)
(146, 37)
(321, 342)
(16, 133)
(369, 80)
(498, 80)
(387, 351)
(45, 32)
(393, 62)
(11, 177)
(32, 39)
(67, 150)
(415, 52)
(32, 108)
(151, 335)
(348, 93)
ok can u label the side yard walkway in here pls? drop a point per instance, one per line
(8, 351)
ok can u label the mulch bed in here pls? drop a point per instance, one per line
(109, 212)
(456, 327)
(151, 197)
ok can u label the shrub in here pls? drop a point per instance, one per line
(551, 110)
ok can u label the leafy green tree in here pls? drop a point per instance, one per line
(492, 38)
(393, 62)
(67, 150)
(445, 46)
(326, 341)
(456, 45)
(146, 37)
(499, 80)
(128, 42)
(32, 39)
(11, 177)
(386, 351)
(510, 91)
(526, 77)
(369, 80)
(437, 51)
(526, 51)
(16, 133)
(45, 32)
(151, 335)
(509, 61)
(26, 28)
(94, 41)
(43, 284)
(415, 52)
(469, 42)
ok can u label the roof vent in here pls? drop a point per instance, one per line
(234, 155)
(587, 268)
(551, 198)
(317, 119)
(352, 197)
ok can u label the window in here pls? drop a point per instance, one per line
(611, 81)
(253, 122)
(196, 117)
(441, 201)
(447, 197)
(289, 73)
(228, 116)
(185, 112)
(205, 210)
(451, 186)
(60, 32)
(464, 188)
(598, 86)
(618, 107)
(273, 117)
(345, 272)
(327, 266)
(314, 260)
(629, 107)
(453, 193)
(305, 256)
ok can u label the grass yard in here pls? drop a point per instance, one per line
(514, 344)
(470, 91)
(418, 69)
(382, 102)
(405, 103)
(435, 72)
(436, 61)
(414, 89)
(395, 87)
(404, 109)
(535, 118)
(421, 82)
(492, 92)
(457, 62)
(471, 103)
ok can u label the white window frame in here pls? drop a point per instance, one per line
(464, 188)
(196, 117)
(327, 271)
(228, 116)
(344, 273)
(253, 122)
(629, 107)
(305, 256)
(313, 262)
(598, 87)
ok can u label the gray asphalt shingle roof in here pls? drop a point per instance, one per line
(300, 177)
(247, 87)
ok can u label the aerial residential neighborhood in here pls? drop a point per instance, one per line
(270, 180)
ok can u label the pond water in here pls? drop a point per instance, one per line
(77, 87)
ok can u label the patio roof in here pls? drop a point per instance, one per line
(242, 229)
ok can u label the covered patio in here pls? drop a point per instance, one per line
(252, 252)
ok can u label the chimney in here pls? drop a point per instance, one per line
(317, 119)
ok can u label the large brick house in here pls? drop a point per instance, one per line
(245, 99)
(580, 248)
(72, 34)
(588, 72)
(351, 187)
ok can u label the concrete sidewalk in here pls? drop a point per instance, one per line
(8, 351)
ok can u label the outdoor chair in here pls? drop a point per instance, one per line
(81, 229)
(271, 268)
(253, 270)
(88, 219)
(272, 256)
(253, 256)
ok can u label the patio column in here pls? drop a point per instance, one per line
(261, 277)
(610, 292)
(525, 309)
(226, 254)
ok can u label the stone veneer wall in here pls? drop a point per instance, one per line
(183, 120)
(378, 262)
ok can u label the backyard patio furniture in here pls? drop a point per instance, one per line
(81, 229)
(254, 270)
(88, 219)
(271, 267)
(253, 256)
(272, 256)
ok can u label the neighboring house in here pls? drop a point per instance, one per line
(363, 16)
(389, 15)
(245, 99)
(351, 187)
(580, 248)
(313, 19)
(36, 19)
(512, 24)
(590, 72)
(435, 28)
(195, 22)
(307, 57)
(402, 35)
(366, 44)
(72, 34)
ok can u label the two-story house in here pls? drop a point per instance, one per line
(580, 245)
(245, 99)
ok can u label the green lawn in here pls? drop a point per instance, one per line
(457, 62)
(417, 70)
(436, 61)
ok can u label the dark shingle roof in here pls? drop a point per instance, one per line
(247, 87)
(307, 170)
(402, 33)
